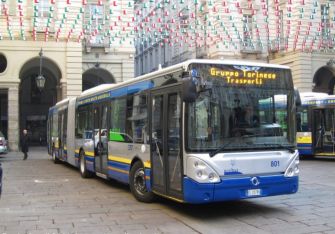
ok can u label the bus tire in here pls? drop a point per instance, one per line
(54, 157)
(137, 184)
(82, 166)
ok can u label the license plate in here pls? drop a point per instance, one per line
(253, 192)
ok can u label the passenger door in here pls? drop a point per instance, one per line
(60, 134)
(100, 137)
(318, 130)
(166, 147)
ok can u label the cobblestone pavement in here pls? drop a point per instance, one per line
(42, 197)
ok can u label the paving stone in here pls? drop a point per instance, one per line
(42, 197)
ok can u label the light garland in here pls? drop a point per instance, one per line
(302, 25)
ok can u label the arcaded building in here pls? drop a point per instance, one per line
(74, 45)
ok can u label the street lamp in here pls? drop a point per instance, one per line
(40, 79)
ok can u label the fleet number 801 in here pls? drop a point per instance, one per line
(275, 163)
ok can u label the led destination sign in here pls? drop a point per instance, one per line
(243, 76)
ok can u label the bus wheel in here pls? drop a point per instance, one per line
(54, 157)
(137, 183)
(82, 166)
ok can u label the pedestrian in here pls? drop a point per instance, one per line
(25, 144)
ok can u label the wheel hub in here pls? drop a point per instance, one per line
(139, 181)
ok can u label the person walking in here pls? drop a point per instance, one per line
(25, 144)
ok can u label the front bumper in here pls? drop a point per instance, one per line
(237, 188)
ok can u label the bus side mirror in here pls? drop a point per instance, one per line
(189, 90)
(297, 97)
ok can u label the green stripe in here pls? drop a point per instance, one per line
(115, 136)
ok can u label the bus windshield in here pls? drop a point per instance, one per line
(241, 110)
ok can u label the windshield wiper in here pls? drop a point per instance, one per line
(255, 135)
(213, 153)
(277, 145)
(274, 145)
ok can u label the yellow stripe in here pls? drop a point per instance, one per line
(64, 147)
(119, 159)
(89, 153)
(118, 170)
(304, 140)
(77, 151)
(324, 154)
(147, 164)
(172, 198)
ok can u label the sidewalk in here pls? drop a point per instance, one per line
(35, 152)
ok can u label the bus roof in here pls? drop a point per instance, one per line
(62, 102)
(312, 95)
(176, 67)
(307, 98)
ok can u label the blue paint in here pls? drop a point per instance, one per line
(76, 159)
(90, 166)
(122, 177)
(236, 188)
(232, 172)
(89, 158)
(119, 165)
(305, 149)
(148, 181)
(122, 91)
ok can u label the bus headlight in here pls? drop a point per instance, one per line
(293, 168)
(199, 171)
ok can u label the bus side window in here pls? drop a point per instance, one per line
(138, 119)
(118, 121)
(81, 119)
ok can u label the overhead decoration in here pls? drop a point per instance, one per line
(253, 26)
(225, 25)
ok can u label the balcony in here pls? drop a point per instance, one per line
(250, 48)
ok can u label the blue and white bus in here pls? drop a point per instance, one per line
(316, 125)
(195, 132)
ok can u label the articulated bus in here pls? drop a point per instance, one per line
(196, 132)
(316, 125)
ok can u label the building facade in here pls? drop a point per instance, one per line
(300, 34)
(74, 45)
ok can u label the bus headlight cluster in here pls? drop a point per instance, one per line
(199, 171)
(293, 168)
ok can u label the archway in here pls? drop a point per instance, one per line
(35, 103)
(324, 80)
(96, 76)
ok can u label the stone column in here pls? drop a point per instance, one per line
(63, 89)
(13, 118)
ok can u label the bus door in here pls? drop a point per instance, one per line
(61, 134)
(166, 148)
(100, 137)
(49, 121)
(324, 121)
(64, 135)
(318, 129)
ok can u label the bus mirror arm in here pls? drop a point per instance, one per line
(189, 90)
(297, 97)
